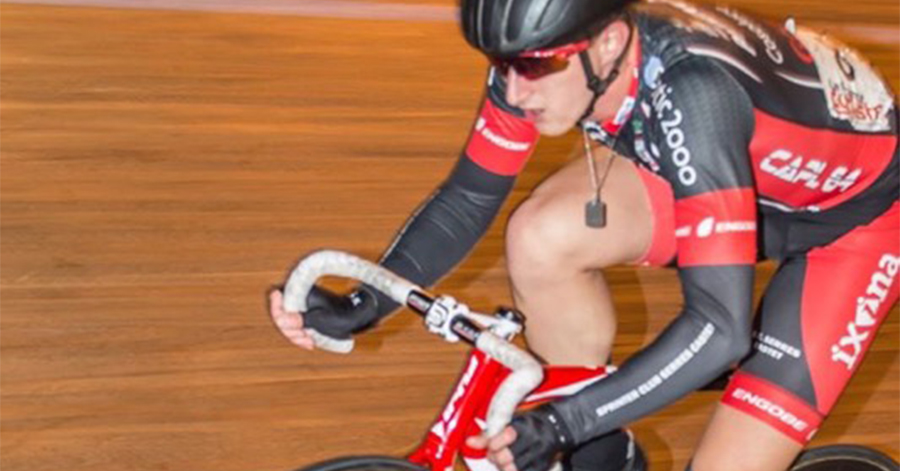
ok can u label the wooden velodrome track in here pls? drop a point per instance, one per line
(162, 169)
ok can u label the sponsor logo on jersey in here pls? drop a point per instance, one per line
(854, 91)
(848, 349)
(710, 226)
(770, 408)
(852, 106)
(449, 419)
(668, 371)
(625, 111)
(773, 347)
(670, 119)
(499, 141)
(811, 173)
(653, 71)
(647, 155)
(596, 132)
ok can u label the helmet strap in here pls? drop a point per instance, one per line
(597, 85)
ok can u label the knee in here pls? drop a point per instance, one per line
(537, 242)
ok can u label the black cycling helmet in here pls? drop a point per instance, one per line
(507, 28)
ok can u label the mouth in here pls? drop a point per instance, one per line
(533, 115)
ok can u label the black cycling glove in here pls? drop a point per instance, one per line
(337, 316)
(541, 437)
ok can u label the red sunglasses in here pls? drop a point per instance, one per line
(536, 64)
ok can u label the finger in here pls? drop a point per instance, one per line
(283, 319)
(275, 298)
(275, 307)
(503, 439)
(502, 458)
(290, 324)
(478, 442)
(302, 339)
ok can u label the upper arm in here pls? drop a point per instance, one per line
(502, 139)
(703, 127)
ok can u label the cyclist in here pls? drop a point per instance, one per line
(742, 141)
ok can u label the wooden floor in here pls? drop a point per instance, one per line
(162, 169)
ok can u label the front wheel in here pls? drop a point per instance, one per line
(364, 463)
(844, 458)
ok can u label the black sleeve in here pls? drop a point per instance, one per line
(702, 124)
(446, 227)
(711, 333)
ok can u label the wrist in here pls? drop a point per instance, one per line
(542, 437)
(564, 438)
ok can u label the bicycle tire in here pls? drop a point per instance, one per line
(844, 458)
(364, 463)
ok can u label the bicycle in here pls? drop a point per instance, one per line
(497, 378)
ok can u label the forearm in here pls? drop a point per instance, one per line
(712, 333)
(439, 235)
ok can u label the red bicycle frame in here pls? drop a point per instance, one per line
(465, 411)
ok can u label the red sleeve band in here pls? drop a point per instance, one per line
(773, 405)
(500, 141)
(716, 228)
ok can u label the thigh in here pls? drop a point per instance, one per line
(817, 318)
(554, 259)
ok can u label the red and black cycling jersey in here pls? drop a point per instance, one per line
(773, 141)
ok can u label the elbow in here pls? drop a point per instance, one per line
(737, 340)
(729, 344)
(727, 351)
(739, 348)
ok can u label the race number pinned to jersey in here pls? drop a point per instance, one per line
(853, 89)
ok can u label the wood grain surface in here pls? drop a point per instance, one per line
(161, 170)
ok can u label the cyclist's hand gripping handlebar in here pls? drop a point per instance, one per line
(450, 323)
(327, 262)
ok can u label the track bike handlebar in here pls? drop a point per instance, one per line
(526, 371)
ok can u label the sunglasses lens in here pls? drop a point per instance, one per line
(531, 67)
(537, 68)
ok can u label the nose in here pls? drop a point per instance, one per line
(518, 88)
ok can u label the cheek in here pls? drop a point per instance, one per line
(570, 87)
(569, 101)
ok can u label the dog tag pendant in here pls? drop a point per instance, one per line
(595, 213)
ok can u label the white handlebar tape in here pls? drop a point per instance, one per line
(342, 264)
(526, 371)
(526, 375)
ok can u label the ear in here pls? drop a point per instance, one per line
(612, 40)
